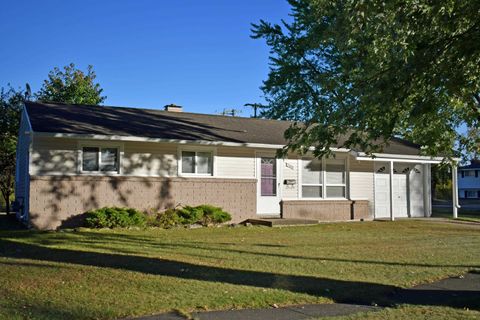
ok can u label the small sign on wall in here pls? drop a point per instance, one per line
(289, 182)
(289, 166)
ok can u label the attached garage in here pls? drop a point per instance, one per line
(410, 191)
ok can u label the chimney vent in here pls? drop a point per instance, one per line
(173, 108)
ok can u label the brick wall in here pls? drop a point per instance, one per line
(59, 201)
(326, 210)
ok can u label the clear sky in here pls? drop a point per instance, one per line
(146, 53)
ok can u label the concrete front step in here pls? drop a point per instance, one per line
(279, 222)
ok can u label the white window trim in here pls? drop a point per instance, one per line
(324, 183)
(197, 149)
(100, 145)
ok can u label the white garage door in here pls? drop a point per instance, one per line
(382, 191)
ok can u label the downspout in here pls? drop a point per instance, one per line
(455, 205)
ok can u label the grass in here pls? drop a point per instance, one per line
(464, 214)
(108, 274)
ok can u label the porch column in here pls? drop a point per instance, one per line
(392, 217)
(427, 192)
(455, 205)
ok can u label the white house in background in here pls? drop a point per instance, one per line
(469, 181)
(73, 158)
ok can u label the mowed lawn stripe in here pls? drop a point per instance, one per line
(106, 274)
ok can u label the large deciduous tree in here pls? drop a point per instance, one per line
(71, 85)
(68, 86)
(372, 70)
(11, 102)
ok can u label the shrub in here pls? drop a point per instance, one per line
(204, 214)
(167, 219)
(444, 191)
(190, 215)
(213, 215)
(113, 217)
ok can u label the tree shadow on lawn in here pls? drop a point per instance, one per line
(89, 238)
(338, 290)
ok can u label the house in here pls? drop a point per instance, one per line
(72, 158)
(469, 180)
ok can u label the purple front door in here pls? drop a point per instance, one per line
(268, 201)
(268, 177)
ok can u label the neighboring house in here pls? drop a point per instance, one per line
(469, 180)
(73, 158)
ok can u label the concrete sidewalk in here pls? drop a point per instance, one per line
(285, 313)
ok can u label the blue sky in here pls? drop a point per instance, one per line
(146, 53)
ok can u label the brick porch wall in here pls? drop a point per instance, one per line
(325, 210)
(59, 201)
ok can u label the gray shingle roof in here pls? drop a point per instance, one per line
(149, 123)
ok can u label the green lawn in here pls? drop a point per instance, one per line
(463, 214)
(117, 273)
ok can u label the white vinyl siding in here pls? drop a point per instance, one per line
(290, 172)
(235, 162)
(361, 181)
(55, 156)
(149, 159)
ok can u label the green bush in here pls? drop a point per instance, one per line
(213, 215)
(204, 214)
(113, 217)
(167, 219)
(444, 191)
(190, 215)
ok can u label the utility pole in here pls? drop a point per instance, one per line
(255, 107)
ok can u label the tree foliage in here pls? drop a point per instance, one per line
(368, 71)
(68, 86)
(71, 85)
(11, 101)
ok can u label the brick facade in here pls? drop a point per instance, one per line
(326, 210)
(59, 201)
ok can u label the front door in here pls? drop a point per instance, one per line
(268, 197)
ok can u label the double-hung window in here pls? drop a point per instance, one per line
(197, 163)
(323, 178)
(99, 159)
(335, 178)
(312, 178)
(470, 194)
(469, 173)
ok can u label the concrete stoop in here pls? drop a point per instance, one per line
(279, 222)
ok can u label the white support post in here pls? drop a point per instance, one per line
(455, 205)
(392, 217)
(427, 194)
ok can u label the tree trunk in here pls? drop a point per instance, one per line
(7, 204)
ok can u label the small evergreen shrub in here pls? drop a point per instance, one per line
(213, 215)
(114, 217)
(190, 215)
(205, 215)
(166, 219)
